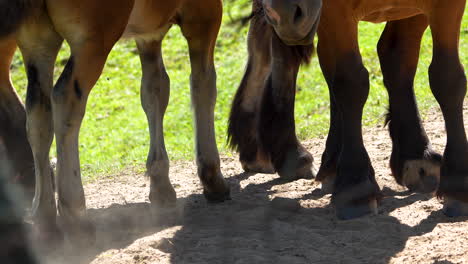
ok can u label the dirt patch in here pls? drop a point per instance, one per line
(270, 221)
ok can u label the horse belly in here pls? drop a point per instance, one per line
(152, 18)
(391, 14)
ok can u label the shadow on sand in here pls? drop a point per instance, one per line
(253, 228)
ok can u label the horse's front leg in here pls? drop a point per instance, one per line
(355, 189)
(201, 36)
(448, 84)
(242, 129)
(276, 125)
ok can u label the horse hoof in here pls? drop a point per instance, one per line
(215, 187)
(217, 197)
(163, 197)
(326, 176)
(300, 167)
(349, 212)
(421, 176)
(257, 167)
(327, 186)
(81, 233)
(261, 164)
(455, 208)
(306, 169)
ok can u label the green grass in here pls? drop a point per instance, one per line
(114, 134)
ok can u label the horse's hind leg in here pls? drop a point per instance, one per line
(154, 99)
(201, 33)
(414, 164)
(242, 129)
(13, 123)
(39, 44)
(448, 83)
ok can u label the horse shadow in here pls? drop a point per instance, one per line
(254, 228)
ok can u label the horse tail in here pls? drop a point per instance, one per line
(14, 12)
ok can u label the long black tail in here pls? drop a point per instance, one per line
(13, 13)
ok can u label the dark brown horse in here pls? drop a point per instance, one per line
(263, 129)
(273, 65)
(91, 28)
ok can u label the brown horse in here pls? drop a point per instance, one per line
(263, 129)
(91, 28)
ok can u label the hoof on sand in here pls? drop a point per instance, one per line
(455, 208)
(348, 212)
(300, 167)
(258, 167)
(217, 197)
(421, 176)
(163, 197)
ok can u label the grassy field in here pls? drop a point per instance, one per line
(114, 134)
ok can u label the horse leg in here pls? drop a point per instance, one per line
(327, 172)
(13, 120)
(242, 128)
(90, 41)
(328, 167)
(355, 188)
(201, 36)
(448, 84)
(69, 99)
(154, 99)
(39, 43)
(413, 162)
(276, 128)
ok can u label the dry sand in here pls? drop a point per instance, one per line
(269, 221)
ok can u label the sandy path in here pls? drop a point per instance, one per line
(269, 221)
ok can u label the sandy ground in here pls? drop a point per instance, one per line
(269, 221)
